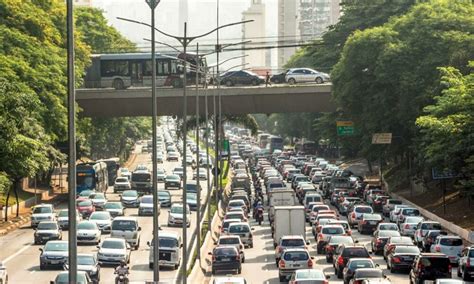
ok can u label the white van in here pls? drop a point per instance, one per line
(128, 229)
(170, 247)
(312, 197)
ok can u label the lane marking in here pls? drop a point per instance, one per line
(6, 260)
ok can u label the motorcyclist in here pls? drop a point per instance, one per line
(122, 269)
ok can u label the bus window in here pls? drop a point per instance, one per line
(147, 68)
(114, 68)
(160, 68)
(174, 67)
(121, 68)
(166, 68)
(108, 68)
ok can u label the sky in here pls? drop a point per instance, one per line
(201, 19)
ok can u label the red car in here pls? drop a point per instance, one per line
(85, 207)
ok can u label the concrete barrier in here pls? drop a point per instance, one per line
(450, 226)
(11, 211)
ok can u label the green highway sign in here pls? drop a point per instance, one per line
(345, 128)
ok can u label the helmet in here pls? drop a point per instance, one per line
(259, 203)
(122, 263)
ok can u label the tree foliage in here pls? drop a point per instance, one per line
(447, 128)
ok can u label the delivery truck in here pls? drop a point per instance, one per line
(288, 220)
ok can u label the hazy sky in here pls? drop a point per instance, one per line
(201, 18)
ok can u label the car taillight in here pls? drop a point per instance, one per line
(281, 263)
(310, 263)
(213, 258)
(437, 248)
(325, 282)
(450, 267)
(280, 249)
(407, 226)
(340, 260)
(320, 236)
(353, 215)
(390, 247)
(349, 233)
(237, 258)
(329, 248)
(396, 260)
(379, 241)
(468, 262)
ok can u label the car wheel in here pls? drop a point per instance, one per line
(254, 82)
(229, 83)
(276, 81)
(459, 271)
(213, 271)
(176, 83)
(42, 267)
(339, 274)
(291, 81)
(465, 276)
(137, 245)
(239, 271)
(282, 278)
(319, 80)
(118, 84)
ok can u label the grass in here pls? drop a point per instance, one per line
(22, 196)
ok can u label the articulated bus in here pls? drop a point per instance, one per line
(308, 147)
(113, 164)
(124, 70)
(275, 143)
(92, 176)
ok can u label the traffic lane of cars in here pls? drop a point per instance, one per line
(23, 257)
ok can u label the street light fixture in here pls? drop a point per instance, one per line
(184, 40)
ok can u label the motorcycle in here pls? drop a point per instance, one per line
(121, 278)
(259, 215)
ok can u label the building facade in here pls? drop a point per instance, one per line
(288, 29)
(254, 31)
(85, 3)
(316, 16)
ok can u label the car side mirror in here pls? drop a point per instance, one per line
(253, 229)
(139, 228)
(377, 265)
(40, 249)
(181, 245)
(356, 241)
(51, 282)
(215, 243)
(308, 243)
(209, 253)
(327, 276)
(97, 246)
(148, 243)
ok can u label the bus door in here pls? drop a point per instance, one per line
(137, 73)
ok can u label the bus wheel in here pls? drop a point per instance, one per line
(118, 84)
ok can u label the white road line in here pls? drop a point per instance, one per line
(6, 260)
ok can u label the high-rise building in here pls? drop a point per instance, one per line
(316, 16)
(288, 29)
(254, 31)
(86, 3)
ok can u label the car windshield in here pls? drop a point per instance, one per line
(292, 242)
(229, 241)
(97, 196)
(309, 274)
(191, 196)
(85, 260)
(333, 230)
(355, 252)
(452, 242)
(160, 171)
(363, 210)
(227, 251)
(168, 242)
(177, 209)
(147, 199)
(112, 244)
(440, 264)
(296, 256)
(239, 229)
(389, 234)
(87, 226)
(172, 177)
(63, 278)
(84, 203)
(471, 253)
(100, 216)
(85, 193)
(341, 240)
(63, 213)
(372, 273)
(56, 246)
(362, 263)
(430, 226)
(411, 212)
(121, 180)
(113, 205)
(42, 210)
(124, 225)
(413, 220)
(388, 227)
(407, 249)
(164, 194)
(129, 193)
(47, 226)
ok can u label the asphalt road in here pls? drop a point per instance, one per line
(21, 256)
(260, 267)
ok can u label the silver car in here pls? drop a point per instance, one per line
(122, 183)
(243, 230)
(449, 245)
(408, 227)
(63, 218)
(88, 232)
(293, 259)
(103, 220)
(54, 253)
(47, 231)
(113, 251)
(42, 212)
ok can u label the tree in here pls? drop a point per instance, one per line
(23, 141)
(447, 128)
(387, 74)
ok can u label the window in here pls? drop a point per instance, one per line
(121, 68)
(148, 69)
(174, 67)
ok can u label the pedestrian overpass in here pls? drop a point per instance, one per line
(234, 100)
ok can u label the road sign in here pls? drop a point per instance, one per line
(382, 138)
(443, 174)
(345, 128)
(225, 150)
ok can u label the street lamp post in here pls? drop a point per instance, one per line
(198, 196)
(72, 239)
(185, 40)
(156, 226)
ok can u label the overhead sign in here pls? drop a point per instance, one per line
(382, 138)
(443, 174)
(345, 128)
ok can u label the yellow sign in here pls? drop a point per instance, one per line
(344, 123)
(382, 138)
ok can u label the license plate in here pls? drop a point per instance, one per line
(45, 238)
(54, 261)
(225, 259)
(373, 222)
(296, 265)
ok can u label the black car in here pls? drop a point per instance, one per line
(278, 78)
(402, 257)
(226, 258)
(334, 242)
(430, 266)
(346, 252)
(242, 77)
(355, 264)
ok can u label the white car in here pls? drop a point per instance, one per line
(63, 218)
(146, 206)
(304, 75)
(42, 212)
(122, 183)
(113, 251)
(3, 274)
(170, 248)
(99, 200)
(88, 232)
(103, 220)
(125, 172)
(175, 216)
(408, 227)
(396, 210)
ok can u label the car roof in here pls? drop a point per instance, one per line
(288, 237)
(126, 218)
(168, 234)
